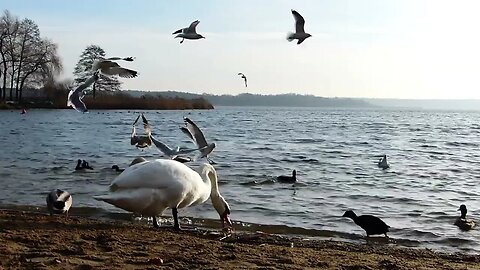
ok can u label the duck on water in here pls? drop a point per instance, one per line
(383, 163)
(288, 179)
(462, 222)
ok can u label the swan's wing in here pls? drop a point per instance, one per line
(157, 174)
(120, 71)
(196, 133)
(191, 28)
(163, 147)
(146, 126)
(299, 22)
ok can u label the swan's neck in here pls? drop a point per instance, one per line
(463, 215)
(210, 179)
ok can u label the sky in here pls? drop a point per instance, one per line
(416, 49)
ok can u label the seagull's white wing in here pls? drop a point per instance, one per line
(163, 147)
(136, 120)
(192, 27)
(129, 59)
(196, 133)
(146, 126)
(75, 96)
(122, 72)
(187, 132)
(299, 22)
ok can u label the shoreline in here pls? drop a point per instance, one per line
(35, 240)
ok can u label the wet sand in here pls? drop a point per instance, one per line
(31, 240)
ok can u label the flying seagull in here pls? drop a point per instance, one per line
(299, 29)
(168, 151)
(189, 32)
(141, 141)
(75, 96)
(243, 77)
(110, 68)
(196, 135)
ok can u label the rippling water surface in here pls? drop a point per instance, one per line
(434, 156)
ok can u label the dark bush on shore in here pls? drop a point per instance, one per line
(57, 93)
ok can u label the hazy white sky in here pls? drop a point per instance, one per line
(369, 48)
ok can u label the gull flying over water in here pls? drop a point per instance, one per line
(196, 135)
(299, 29)
(141, 141)
(110, 68)
(243, 77)
(75, 96)
(188, 32)
(170, 152)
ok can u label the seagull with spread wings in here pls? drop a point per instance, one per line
(141, 141)
(75, 96)
(170, 152)
(188, 32)
(109, 67)
(196, 135)
(243, 77)
(299, 29)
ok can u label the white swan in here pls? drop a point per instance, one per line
(110, 68)
(188, 32)
(75, 96)
(59, 202)
(150, 187)
(299, 29)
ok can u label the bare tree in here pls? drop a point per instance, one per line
(27, 59)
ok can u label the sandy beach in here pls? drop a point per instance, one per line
(31, 240)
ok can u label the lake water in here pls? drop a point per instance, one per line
(434, 157)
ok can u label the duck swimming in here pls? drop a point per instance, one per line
(288, 179)
(59, 202)
(85, 165)
(462, 222)
(117, 169)
(371, 224)
(79, 165)
(382, 163)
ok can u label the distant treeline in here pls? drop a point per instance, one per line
(283, 100)
(56, 98)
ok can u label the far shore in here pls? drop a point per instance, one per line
(31, 240)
